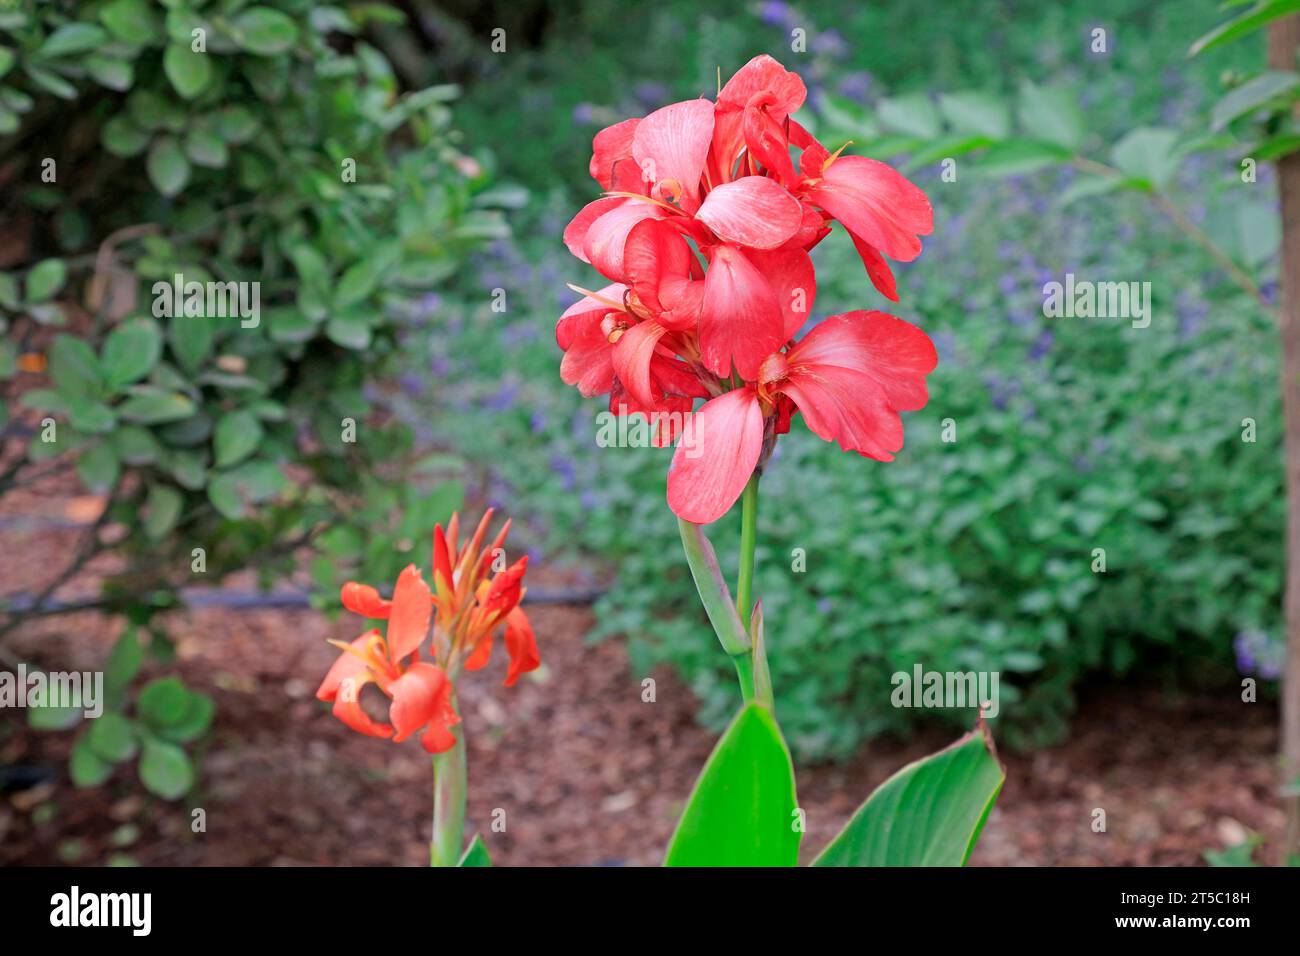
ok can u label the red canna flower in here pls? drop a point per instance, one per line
(705, 232)
(467, 604)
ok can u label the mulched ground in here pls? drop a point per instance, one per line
(585, 772)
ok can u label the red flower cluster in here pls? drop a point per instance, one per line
(469, 602)
(720, 175)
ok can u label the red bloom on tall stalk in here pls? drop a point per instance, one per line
(716, 181)
(471, 600)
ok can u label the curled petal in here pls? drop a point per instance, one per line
(350, 665)
(740, 317)
(753, 211)
(342, 686)
(604, 241)
(442, 562)
(418, 697)
(715, 456)
(632, 355)
(661, 269)
(671, 145)
(878, 271)
(852, 374)
(521, 645)
(763, 74)
(438, 737)
(575, 233)
(412, 611)
(791, 275)
(611, 147)
(876, 203)
(504, 593)
(364, 600)
(766, 138)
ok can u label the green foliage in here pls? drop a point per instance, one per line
(930, 813)
(742, 811)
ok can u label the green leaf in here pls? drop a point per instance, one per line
(1253, 94)
(1260, 15)
(163, 701)
(1147, 155)
(54, 718)
(123, 664)
(1086, 186)
(111, 72)
(131, 351)
(112, 737)
(742, 811)
(165, 769)
(86, 767)
(134, 445)
(168, 168)
(237, 436)
(74, 367)
(89, 416)
(162, 508)
(123, 138)
(149, 405)
(132, 20)
(913, 115)
(98, 467)
(206, 148)
(476, 853)
(978, 114)
(45, 279)
(357, 282)
(264, 31)
(194, 723)
(930, 813)
(349, 331)
(71, 38)
(191, 338)
(189, 72)
(1015, 157)
(1051, 114)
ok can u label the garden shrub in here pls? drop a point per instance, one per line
(266, 145)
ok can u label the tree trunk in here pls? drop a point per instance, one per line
(1283, 44)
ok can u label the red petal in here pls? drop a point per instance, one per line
(364, 600)
(671, 145)
(763, 74)
(877, 203)
(610, 146)
(753, 211)
(740, 318)
(791, 275)
(605, 239)
(632, 354)
(439, 738)
(766, 138)
(347, 666)
(878, 271)
(715, 456)
(575, 233)
(412, 611)
(853, 373)
(521, 645)
(416, 698)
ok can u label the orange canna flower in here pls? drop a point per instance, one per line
(469, 603)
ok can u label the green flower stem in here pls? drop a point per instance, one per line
(716, 598)
(449, 804)
(748, 543)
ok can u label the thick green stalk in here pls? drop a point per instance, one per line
(449, 784)
(716, 598)
(748, 543)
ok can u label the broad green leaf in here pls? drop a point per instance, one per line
(148, 405)
(190, 72)
(1147, 154)
(978, 114)
(98, 467)
(162, 509)
(742, 811)
(1051, 114)
(72, 38)
(1015, 157)
(89, 416)
(112, 737)
(45, 280)
(130, 352)
(1253, 94)
(476, 854)
(86, 767)
(1258, 16)
(111, 72)
(1086, 186)
(163, 701)
(123, 664)
(190, 338)
(134, 445)
(121, 137)
(351, 332)
(132, 20)
(165, 769)
(194, 722)
(205, 148)
(167, 166)
(930, 813)
(74, 367)
(54, 718)
(264, 31)
(237, 436)
(914, 115)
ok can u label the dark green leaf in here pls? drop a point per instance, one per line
(165, 769)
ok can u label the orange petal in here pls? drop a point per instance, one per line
(521, 645)
(364, 600)
(412, 611)
(348, 665)
(417, 698)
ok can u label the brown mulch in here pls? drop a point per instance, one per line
(585, 772)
